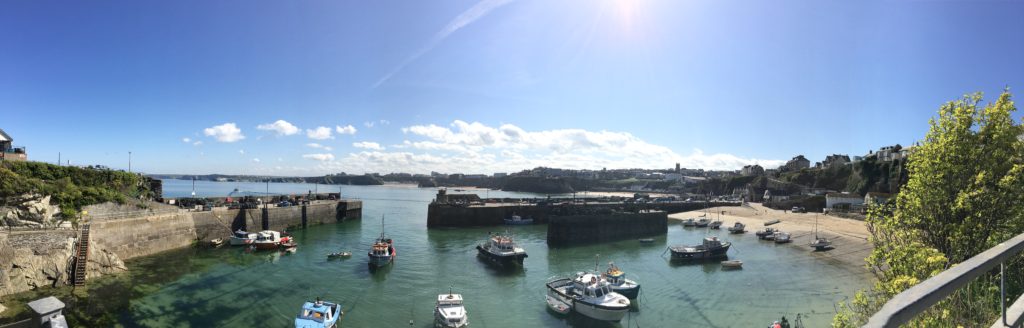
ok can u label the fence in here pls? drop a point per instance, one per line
(917, 299)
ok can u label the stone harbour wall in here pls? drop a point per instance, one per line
(580, 229)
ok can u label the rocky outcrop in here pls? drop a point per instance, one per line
(32, 211)
(34, 259)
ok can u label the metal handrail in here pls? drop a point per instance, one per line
(911, 302)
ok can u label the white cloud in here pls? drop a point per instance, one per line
(368, 124)
(319, 133)
(280, 127)
(186, 140)
(348, 129)
(318, 146)
(467, 17)
(227, 132)
(368, 145)
(385, 122)
(241, 151)
(319, 157)
(255, 160)
(198, 143)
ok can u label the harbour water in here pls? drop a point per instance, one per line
(229, 287)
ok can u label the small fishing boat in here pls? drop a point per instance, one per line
(689, 222)
(558, 305)
(782, 237)
(617, 280)
(715, 225)
(771, 222)
(289, 245)
(217, 242)
(821, 244)
(737, 228)
(518, 220)
(590, 296)
(382, 252)
(646, 240)
(710, 248)
(319, 314)
(503, 249)
(765, 233)
(338, 255)
(733, 264)
(702, 222)
(241, 237)
(449, 311)
(267, 239)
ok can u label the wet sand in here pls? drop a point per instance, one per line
(848, 236)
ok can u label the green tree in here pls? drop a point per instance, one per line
(964, 195)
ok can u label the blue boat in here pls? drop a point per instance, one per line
(319, 314)
(619, 284)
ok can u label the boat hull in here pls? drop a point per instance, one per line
(235, 241)
(266, 246)
(602, 313)
(630, 292)
(701, 255)
(558, 306)
(379, 261)
(503, 259)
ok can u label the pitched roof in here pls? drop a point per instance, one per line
(4, 136)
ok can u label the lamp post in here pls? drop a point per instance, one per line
(129, 162)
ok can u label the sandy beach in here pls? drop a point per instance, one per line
(850, 237)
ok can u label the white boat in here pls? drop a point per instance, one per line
(782, 237)
(590, 296)
(241, 237)
(689, 222)
(267, 239)
(733, 264)
(738, 227)
(702, 222)
(518, 220)
(449, 312)
(382, 252)
(502, 249)
(617, 279)
(558, 305)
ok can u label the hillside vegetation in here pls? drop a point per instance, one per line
(70, 187)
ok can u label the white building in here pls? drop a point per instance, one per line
(850, 200)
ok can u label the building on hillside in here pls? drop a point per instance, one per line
(475, 176)
(752, 170)
(835, 159)
(797, 163)
(843, 201)
(888, 153)
(500, 174)
(8, 152)
(875, 198)
(774, 196)
(672, 177)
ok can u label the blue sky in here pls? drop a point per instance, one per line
(488, 86)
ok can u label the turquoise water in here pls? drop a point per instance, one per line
(231, 287)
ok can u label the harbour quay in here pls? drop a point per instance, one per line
(569, 220)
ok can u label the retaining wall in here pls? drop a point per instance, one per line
(447, 215)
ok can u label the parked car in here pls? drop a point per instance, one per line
(798, 209)
(284, 203)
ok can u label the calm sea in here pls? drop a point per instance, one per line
(229, 287)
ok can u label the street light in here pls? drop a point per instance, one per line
(129, 162)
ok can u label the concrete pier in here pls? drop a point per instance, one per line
(593, 228)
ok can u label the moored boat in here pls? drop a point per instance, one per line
(338, 255)
(782, 237)
(710, 248)
(765, 233)
(702, 222)
(503, 249)
(821, 244)
(589, 296)
(619, 284)
(738, 228)
(715, 225)
(646, 240)
(733, 264)
(267, 239)
(319, 314)
(382, 252)
(217, 242)
(689, 222)
(518, 220)
(241, 237)
(449, 311)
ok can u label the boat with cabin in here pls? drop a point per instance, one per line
(449, 311)
(319, 314)
(702, 222)
(267, 240)
(617, 280)
(710, 248)
(738, 228)
(765, 233)
(690, 222)
(588, 295)
(820, 243)
(518, 220)
(782, 237)
(382, 252)
(502, 248)
(241, 237)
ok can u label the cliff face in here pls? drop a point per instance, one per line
(34, 259)
(538, 185)
(31, 211)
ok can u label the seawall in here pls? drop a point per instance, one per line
(592, 228)
(489, 214)
(130, 232)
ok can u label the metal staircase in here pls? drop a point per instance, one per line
(82, 257)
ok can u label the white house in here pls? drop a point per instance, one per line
(851, 200)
